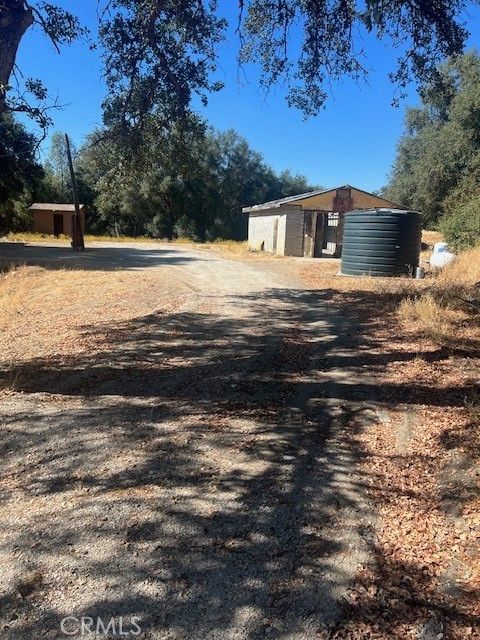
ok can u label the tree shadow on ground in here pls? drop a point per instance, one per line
(172, 356)
(198, 471)
(93, 258)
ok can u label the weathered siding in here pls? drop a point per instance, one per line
(361, 200)
(289, 233)
(294, 232)
(282, 234)
(43, 221)
(261, 230)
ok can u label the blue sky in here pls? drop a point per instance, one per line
(351, 141)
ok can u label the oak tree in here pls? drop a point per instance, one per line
(159, 53)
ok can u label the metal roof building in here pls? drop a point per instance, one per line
(308, 224)
(55, 219)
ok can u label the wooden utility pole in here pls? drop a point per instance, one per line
(78, 243)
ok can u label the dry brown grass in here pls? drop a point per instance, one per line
(425, 313)
(448, 312)
(464, 272)
(324, 274)
(229, 246)
(62, 312)
(32, 237)
(236, 246)
(430, 237)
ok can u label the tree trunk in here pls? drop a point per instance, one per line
(15, 19)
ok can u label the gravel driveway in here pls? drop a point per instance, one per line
(194, 468)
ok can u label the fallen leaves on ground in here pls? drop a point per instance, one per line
(422, 477)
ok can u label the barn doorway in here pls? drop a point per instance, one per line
(314, 225)
(331, 232)
(319, 234)
(57, 224)
(322, 234)
(314, 233)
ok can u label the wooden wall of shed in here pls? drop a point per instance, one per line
(67, 222)
(361, 200)
(43, 221)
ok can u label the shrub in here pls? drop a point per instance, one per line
(426, 314)
(447, 309)
(461, 226)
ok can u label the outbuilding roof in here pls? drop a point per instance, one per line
(301, 196)
(53, 206)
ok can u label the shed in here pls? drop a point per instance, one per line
(55, 219)
(308, 224)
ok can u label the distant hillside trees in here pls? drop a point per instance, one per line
(437, 166)
(57, 184)
(191, 183)
(20, 174)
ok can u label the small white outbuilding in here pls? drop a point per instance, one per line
(308, 224)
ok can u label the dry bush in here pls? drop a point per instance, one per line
(426, 314)
(430, 237)
(32, 236)
(398, 287)
(448, 310)
(459, 284)
(7, 267)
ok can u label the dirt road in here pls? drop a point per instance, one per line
(192, 466)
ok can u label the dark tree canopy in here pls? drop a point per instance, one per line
(190, 182)
(437, 166)
(29, 95)
(426, 31)
(20, 174)
(158, 53)
(17, 158)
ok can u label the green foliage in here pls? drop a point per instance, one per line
(159, 53)
(20, 174)
(425, 31)
(57, 179)
(438, 158)
(19, 93)
(461, 226)
(190, 182)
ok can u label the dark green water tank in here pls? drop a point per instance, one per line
(381, 242)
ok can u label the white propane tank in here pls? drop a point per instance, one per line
(441, 255)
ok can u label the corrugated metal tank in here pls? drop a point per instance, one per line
(381, 242)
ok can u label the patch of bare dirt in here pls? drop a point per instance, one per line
(194, 437)
(421, 469)
(43, 313)
(173, 447)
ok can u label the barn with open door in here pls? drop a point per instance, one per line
(309, 224)
(55, 219)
